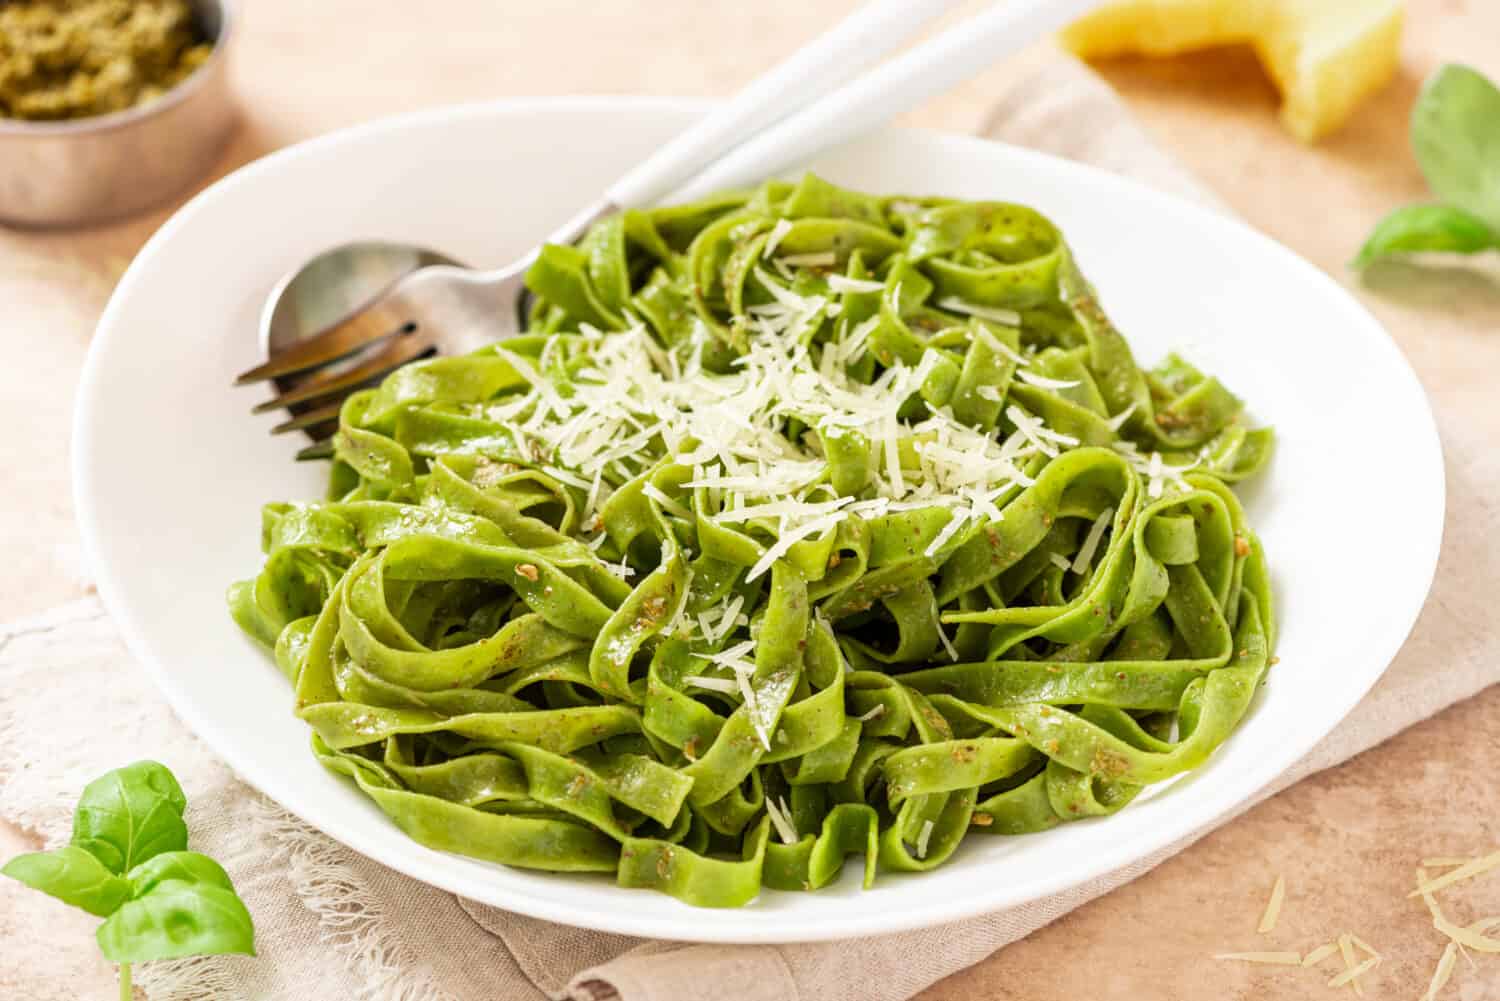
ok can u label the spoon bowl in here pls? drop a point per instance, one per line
(322, 291)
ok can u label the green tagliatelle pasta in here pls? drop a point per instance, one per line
(802, 523)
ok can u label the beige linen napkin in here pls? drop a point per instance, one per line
(334, 925)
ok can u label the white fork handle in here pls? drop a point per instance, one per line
(887, 91)
(839, 54)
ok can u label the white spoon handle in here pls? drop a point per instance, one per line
(839, 54)
(887, 91)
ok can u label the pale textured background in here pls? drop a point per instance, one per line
(1344, 839)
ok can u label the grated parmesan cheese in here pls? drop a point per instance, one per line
(1091, 541)
(1443, 971)
(711, 684)
(791, 537)
(1367, 947)
(854, 343)
(729, 657)
(1043, 382)
(1319, 954)
(563, 475)
(1468, 870)
(778, 233)
(622, 570)
(821, 259)
(729, 618)
(1116, 422)
(1471, 935)
(1043, 437)
(1273, 908)
(668, 504)
(923, 836)
(1474, 935)
(948, 647)
(634, 402)
(781, 819)
(1060, 561)
(1154, 470)
(947, 532)
(1346, 951)
(843, 283)
(954, 304)
(1351, 975)
(748, 694)
(875, 713)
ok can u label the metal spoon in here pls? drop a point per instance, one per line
(319, 293)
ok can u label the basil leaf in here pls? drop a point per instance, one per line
(130, 814)
(175, 919)
(185, 867)
(1416, 228)
(73, 876)
(1455, 132)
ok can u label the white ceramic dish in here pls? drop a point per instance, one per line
(170, 470)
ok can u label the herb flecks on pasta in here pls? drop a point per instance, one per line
(802, 523)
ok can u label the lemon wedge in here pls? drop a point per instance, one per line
(1325, 56)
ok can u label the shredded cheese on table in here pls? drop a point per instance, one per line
(1443, 971)
(1271, 958)
(1346, 950)
(1351, 975)
(1319, 954)
(1467, 870)
(1273, 908)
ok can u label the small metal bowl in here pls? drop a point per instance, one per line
(87, 170)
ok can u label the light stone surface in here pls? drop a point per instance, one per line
(1345, 839)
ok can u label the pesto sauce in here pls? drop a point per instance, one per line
(62, 59)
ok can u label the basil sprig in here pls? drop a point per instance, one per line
(128, 863)
(1455, 134)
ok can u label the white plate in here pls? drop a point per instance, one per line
(170, 469)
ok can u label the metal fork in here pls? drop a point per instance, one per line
(445, 309)
(434, 309)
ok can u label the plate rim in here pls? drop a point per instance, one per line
(1210, 812)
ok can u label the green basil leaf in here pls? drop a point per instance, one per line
(185, 867)
(130, 814)
(1415, 228)
(1455, 132)
(73, 876)
(177, 919)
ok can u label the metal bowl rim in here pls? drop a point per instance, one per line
(127, 117)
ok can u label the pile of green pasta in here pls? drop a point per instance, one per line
(464, 655)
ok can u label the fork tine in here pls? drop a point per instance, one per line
(395, 354)
(320, 415)
(317, 450)
(340, 340)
